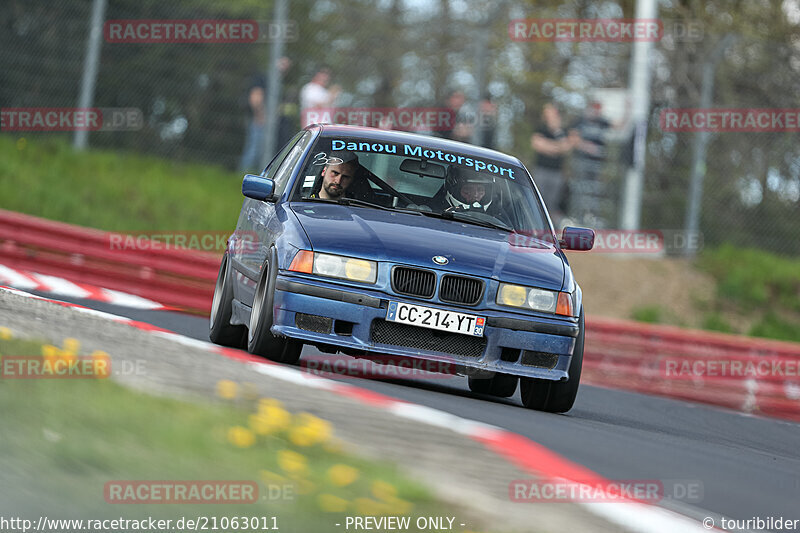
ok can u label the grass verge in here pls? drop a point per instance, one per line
(115, 191)
(64, 440)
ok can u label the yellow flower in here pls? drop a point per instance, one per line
(241, 437)
(383, 491)
(270, 419)
(259, 424)
(369, 507)
(302, 436)
(309, 430)
(102, 363)
(399, 507)
(342, 475)
(292, 462)
(269, 477)
(226, 389)
(5, 333)
(50, 351)
(332, 504)
(263, 403)
(68, 356)
(71, 346)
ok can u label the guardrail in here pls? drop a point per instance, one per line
(750, 375)
(652, 359)
(183, 279)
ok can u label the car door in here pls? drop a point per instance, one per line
(258, 226)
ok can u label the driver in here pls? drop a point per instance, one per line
(336, 179)
(466, 189)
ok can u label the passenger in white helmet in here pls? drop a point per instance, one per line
(466, 190)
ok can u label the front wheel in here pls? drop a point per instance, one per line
(501, 385)
(260, 340)
(555, 396)
(220, 329)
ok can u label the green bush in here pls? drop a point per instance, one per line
(773, 326)
(716, 322)
(754, 278)
(648, 313)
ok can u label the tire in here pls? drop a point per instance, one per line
(220, 329)
(260, 340)
(501, 385)
(555, 396)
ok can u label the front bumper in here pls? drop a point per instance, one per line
(325, 314)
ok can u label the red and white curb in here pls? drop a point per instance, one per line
(57, 286)
(525, 454)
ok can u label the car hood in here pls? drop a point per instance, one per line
(405, 238)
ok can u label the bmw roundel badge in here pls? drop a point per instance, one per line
(440, 260)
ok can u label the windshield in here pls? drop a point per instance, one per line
(409, 177)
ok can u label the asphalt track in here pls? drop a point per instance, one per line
(747, 466)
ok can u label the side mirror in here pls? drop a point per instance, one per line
(581, 239)
(258, 187)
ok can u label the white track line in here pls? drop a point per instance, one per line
(65, 288)
(60, 286)
(9, 276)
(130, 300)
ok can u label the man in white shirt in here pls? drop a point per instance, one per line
(314, 94)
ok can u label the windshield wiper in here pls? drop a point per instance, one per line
(484, 223)
(459, 216)
(345, 201)
(360, 203)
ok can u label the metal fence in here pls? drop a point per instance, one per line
(193, 96)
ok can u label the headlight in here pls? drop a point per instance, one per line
(535, 299)
(335, 266)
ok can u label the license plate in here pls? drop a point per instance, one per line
(428, 317)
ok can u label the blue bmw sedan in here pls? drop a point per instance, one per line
(386, 243)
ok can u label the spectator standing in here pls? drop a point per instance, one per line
(257, 120)
(315, 94)
(590, 152)
(487, 122)
(460, 130)
(587, 192)
(551, 144)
